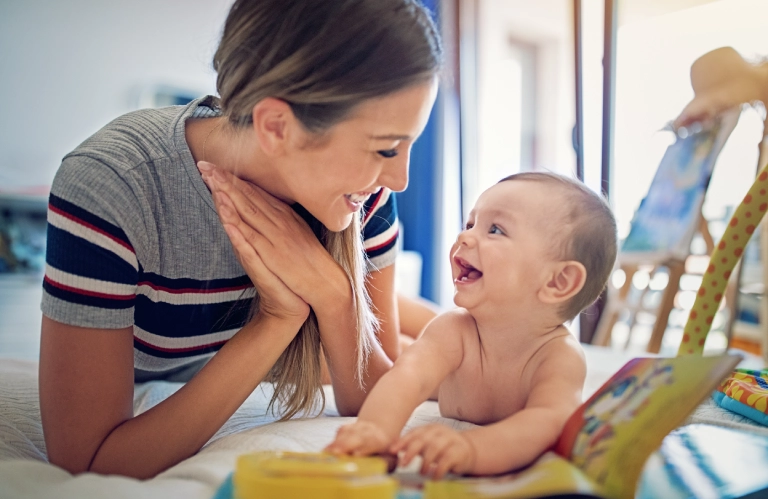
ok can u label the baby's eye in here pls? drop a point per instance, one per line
(387, 153)
(495, 230)
(468, 225)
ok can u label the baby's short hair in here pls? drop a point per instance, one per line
(589, 235)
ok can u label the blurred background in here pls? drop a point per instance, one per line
(580, 87)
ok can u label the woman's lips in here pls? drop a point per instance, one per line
(357, 199)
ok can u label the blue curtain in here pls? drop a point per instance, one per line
(417, 204)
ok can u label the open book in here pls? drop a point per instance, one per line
(607, 442)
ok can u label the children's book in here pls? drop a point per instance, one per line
(604, 450)
(666, 220)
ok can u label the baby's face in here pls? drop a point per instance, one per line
(502, 255)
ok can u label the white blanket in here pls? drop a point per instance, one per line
(24, 472)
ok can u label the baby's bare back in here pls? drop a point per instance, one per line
(493, 383)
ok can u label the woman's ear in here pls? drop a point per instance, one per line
(272, 120)
(565, 282)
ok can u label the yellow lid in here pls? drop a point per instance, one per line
(289, 475)
(310, 464)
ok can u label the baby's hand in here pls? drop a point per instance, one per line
(442, 450)
(361, 438)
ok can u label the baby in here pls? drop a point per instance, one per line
(537, 249)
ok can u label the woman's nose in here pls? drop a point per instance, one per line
(394, 175)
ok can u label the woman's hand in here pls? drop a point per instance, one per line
(442, 450)
(721, 80)
(276, 298)
(284, 243)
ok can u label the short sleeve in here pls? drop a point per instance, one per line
(381, 229)
(92, 270)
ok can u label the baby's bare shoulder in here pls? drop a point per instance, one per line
(562, 355)
(457, 322)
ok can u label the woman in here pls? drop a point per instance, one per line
(153, 265)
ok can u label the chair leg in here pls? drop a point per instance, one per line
(676, 270)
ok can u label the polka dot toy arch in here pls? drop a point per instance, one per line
(724, 258)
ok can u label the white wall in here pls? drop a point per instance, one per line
(68, 67)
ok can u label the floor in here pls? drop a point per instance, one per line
(20, 316)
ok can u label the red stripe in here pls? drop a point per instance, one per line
(373, 206)
(87, 292)
(179, 350)
(193, 290)
(92, 227)
(388, 241)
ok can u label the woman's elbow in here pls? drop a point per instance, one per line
(69, 463)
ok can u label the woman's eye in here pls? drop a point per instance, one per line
(495, 230)
(388, 153)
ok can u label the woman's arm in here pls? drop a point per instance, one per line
(415, 314)
(401, 319)
(86, 385)
(381, 288)
(86, 397)
(290, 250)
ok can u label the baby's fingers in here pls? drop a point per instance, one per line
(411, 446)
(449, 460)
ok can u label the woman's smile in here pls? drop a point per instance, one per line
(357, 200)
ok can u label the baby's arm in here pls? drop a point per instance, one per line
(555, 393)
(415, 376)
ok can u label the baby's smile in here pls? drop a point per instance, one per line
(467, 273)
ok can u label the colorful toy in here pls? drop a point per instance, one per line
(299, 475)
(744, 392)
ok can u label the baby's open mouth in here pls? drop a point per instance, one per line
(466, 271)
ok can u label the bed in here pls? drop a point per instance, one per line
(24, 471)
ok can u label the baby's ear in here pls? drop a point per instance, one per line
(564, 282)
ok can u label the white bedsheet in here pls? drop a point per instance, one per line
(24, 472)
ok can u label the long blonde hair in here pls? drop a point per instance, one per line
(323, 58)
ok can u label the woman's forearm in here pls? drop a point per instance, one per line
(338, 333)
(178, 427)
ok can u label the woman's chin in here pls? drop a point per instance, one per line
(338, 224)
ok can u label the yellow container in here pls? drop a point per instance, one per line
(299, 475)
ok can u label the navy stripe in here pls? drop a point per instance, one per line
(80, 257)
(89, 218)
(380, 251)
(368, 205)
(195, 284)
(383, 219)
(175, 355)
(91, 301)
(183, 321)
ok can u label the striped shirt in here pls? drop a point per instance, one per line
(134, 241)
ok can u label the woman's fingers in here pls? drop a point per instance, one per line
(253, 203)
(276, 298)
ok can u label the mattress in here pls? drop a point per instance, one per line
(25, 473)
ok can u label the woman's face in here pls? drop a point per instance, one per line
(334, 176)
